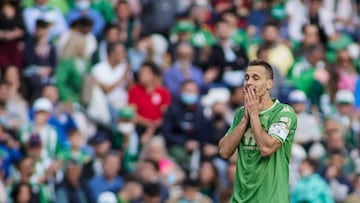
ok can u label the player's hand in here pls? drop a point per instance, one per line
(252, 101)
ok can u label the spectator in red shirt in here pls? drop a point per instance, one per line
(150, 99)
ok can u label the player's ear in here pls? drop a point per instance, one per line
(269, 84)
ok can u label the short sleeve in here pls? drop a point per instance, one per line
(283, 124)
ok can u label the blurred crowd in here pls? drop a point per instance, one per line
(114, 101)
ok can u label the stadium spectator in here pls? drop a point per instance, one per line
(72, 69)
(113, 76)
(109, 180)
(150, 100)
(83, 9)
(52, 15)
(185, 126)
(101, 145)
(183, 69)
(228, 57)
(149, 172)
(308, 129)
(111, 34)
(12, 32)
(125, 20)
(39, 59)
(40, 127)
(67, 43)
(16, 104)
(71, 189)
(311, 187)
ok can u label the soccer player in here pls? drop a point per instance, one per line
(262, 132)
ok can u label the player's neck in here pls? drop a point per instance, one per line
(267, 102)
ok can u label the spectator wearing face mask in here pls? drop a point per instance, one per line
(311, 187)
(185, 127)
(125, 138)
(82, 9)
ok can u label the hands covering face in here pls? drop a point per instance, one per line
(253, 103)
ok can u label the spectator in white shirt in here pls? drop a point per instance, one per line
(113, 75)
(42, 10)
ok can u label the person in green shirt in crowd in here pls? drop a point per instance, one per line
(125, 137)
(75, 150)
(262, 132)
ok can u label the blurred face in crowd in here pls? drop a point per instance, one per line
(344, 60)
(311, 35)
(41, 2)
(4, 92)
(315, 5)
(335, 141)
(222, 30)
(111, 166)
(184, 36)
(237, 98)
(41, 117)
(199, 14)
(123, 11)
(112, 35)
(51, 92)
(146, 171)
(156, 150)
(42, 32)
(34, 152)
(146, 76)
(299, 106)
(316, 55)
(75, 140)
(26, 166)
(190, 93)
(207, 173)
(191, 192)
(102, 149)
(73, 173)
(185, 54)
(336, 160)
(12, 76)
(118, 54)
(231, 19)
(270, 34)
(306, 169)
(331, 126)
(345, 109)
(24, 195)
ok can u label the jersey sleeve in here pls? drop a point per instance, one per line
(238, 115)
(283, 124)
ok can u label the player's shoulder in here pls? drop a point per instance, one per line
(285, 109)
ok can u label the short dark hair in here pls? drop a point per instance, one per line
(153, 67)
(271, 23)
(312, 162)
(16, 190)
(264, 64)
(152, 189)
(112, 46)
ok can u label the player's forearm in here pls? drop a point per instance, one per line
(229, 143)
(264, 142)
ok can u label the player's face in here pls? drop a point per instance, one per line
(258, 78)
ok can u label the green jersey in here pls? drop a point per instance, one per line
(265, 179)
